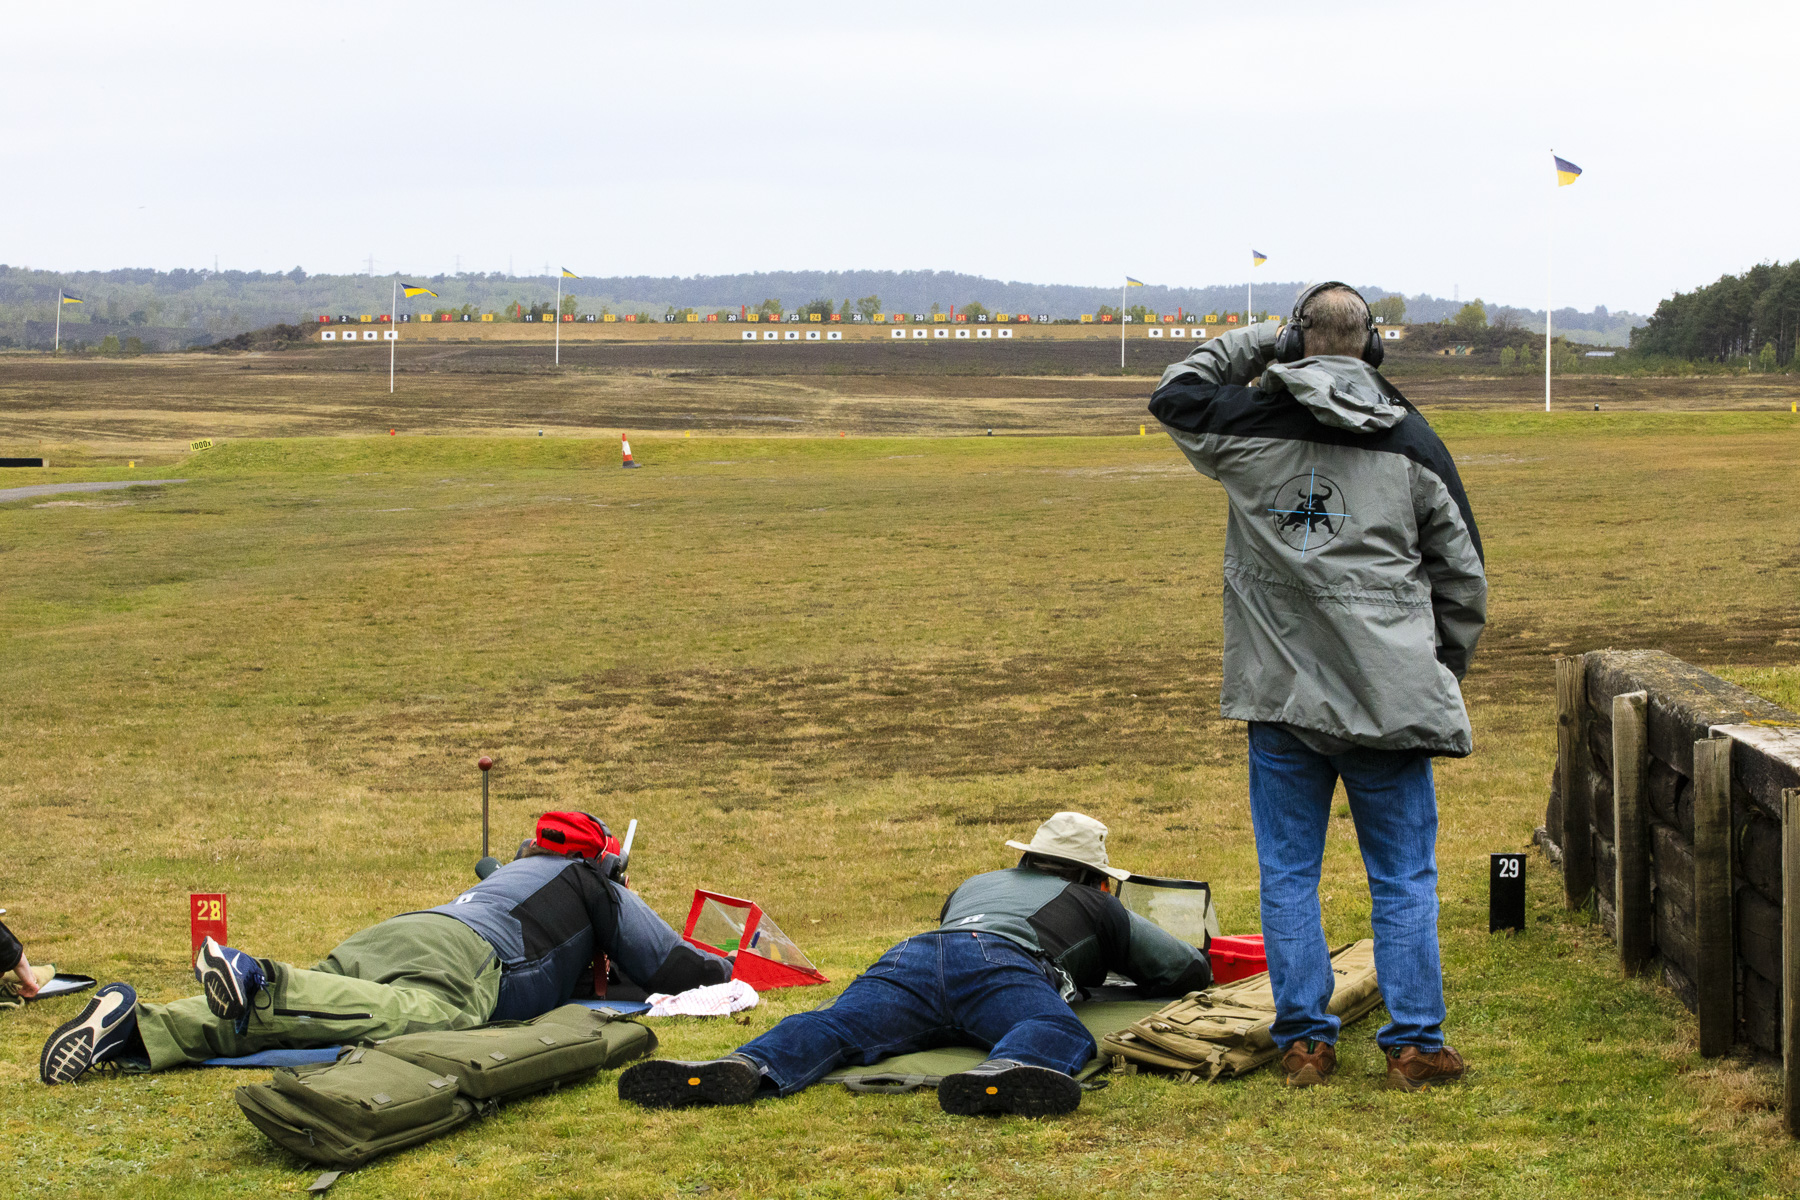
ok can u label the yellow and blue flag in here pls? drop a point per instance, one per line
(568, 274)
(1258, 258)
(68, 299)
(414, 289)
(1130, 282)
(1566, 172)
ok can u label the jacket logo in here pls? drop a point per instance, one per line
(1308, 511)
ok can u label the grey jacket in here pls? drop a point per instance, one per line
(1354, 588)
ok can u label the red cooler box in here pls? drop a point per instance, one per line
(1235, 958)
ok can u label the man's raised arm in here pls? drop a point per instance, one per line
(1198, 390)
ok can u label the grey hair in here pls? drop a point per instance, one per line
(1337, 322)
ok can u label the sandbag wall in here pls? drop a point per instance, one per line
(1682, 705)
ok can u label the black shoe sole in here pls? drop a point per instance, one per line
(224, 998)
(69, 1052)
(1024, 1091)
(666, 1083)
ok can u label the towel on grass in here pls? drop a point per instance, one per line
(713, 1000)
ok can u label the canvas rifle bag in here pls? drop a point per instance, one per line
(1223, 1032)
(409, 1089)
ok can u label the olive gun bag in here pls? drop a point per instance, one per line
(347, 1112)
(1223, 1032)
(411, 1088)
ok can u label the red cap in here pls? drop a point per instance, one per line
(575, 833)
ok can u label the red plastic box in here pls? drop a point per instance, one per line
(1235, 958)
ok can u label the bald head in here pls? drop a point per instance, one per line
(1337, 322)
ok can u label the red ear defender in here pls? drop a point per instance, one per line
(575, 833)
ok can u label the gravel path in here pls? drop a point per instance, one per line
(51, 489)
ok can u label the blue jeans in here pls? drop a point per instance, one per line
(937, 989)
(1395, 808)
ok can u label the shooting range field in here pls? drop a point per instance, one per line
(834, 675)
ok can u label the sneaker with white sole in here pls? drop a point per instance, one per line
(104, 1028)
(231, 979)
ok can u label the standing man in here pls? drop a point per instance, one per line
(1354, 595)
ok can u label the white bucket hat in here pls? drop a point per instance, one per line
(1073, 838)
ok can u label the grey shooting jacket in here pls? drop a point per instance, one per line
(1354, 583)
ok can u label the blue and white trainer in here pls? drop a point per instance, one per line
(104, 1028)
(231, 979)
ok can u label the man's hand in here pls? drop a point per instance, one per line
(28, 985)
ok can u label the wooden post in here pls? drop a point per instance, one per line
(1634, 921)
(1715, 953)
(1571, 755)
(1790, 959)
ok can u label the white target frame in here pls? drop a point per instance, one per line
(329, 335)
(749, 335)
(812, 335)
(390, 335)
(963, 333)
(769, 335)
(899, 334)
(791, 335)
(919, 333)
(1005, 333)
(943, 333)
(1155, 332)
(834, 335)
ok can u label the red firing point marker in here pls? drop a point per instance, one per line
(484, 762)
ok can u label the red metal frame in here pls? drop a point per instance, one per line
(761, 973)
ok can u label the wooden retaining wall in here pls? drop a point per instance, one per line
(1666, 814)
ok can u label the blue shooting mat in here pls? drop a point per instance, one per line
(325, 1054)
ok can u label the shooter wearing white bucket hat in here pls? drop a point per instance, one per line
(1012, 947)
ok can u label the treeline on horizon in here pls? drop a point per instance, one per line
(188, 307)
(1753, 316)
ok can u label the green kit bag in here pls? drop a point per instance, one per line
(515, 1058)
(411, 1088)
(347, 1112)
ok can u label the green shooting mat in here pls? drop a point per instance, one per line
(925, 1068)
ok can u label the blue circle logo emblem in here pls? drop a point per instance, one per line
(1309, 511)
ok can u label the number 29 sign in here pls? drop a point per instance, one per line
(206, 919)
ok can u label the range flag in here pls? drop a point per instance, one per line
(68, 299)
(568, 274)
(1130, 282)
(413, 289)
(1566, 172)
(1258, 258)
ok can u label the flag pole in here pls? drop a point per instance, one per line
(557, 316)
(1122, 288)
(56, 346)
(394, 330)
(1549, 267)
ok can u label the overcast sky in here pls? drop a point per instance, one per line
(1405, 145)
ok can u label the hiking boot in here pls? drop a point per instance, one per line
(668, 1083)
(1001, 1085)
(103, 1029)
(1411, 1069)
(1307, 1063)
(231, 979)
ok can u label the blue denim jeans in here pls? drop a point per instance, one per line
(937, 989)
(1394, 805)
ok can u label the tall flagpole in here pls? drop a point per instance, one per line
(1549, 267)
(1122, 288)
(557, 316)
(393, 332)
(56, 347)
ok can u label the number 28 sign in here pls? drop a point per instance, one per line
(206, 919)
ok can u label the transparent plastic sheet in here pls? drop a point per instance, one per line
(720, 925)
(1182, 907)
(776, 946)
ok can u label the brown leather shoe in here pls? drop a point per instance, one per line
(1413, 1070)
(1307, 1063)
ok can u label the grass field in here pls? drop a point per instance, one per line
(834, 675)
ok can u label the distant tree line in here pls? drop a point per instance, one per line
(1753, 316)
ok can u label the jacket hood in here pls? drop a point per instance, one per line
(1341, 391)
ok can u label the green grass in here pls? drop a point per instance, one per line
(833, 675)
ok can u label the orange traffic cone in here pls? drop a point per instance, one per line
(625, 449)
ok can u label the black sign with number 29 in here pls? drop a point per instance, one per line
(1506, 892)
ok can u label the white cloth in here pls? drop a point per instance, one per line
(713, 1000)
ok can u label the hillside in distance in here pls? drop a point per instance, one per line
(171, 309)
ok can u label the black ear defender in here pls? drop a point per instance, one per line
(1290, 343)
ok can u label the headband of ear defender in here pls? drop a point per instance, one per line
(1290, 343)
